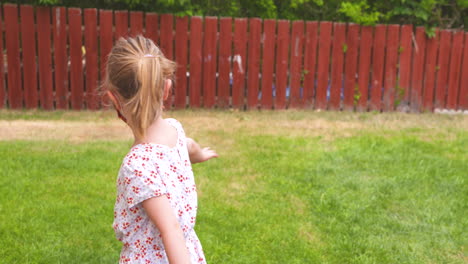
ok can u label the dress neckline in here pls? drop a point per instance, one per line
(169, 120)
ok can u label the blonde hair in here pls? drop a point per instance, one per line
(137, 70)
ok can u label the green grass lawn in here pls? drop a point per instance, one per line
(289, 187)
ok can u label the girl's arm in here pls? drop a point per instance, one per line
(198, 154)
(160, 212)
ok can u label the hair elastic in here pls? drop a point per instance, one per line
(149, 56)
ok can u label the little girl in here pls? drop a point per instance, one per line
(156, 203)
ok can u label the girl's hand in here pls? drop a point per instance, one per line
(198, 154)
(207, 153)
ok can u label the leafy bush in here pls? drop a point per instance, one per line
(429, 13)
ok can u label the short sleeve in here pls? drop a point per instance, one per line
(140, 182)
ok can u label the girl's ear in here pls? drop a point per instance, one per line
(167, 88)
(117, 106)
(114, 100)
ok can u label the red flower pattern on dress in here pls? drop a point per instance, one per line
(151, 170)
(148, 148)
(149, 240)
(173, 168)
(159, 255)
(134, 210)
(125, 259)
(137, 243)
(159, 155)
(127, 180)
(181, 178)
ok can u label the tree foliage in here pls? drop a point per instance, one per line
(430, 13)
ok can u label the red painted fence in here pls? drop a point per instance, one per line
(54, 58)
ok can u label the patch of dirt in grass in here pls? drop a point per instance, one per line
(307, 233)
(213, 126)
(236, 188)
(460, 256)
(63, 130)
(240, 185)
(297, 205)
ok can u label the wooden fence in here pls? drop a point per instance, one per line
(54, 58)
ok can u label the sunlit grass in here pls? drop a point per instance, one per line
(386, 195)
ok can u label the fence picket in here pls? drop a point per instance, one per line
(91, 47)
(282, 50)
(310, 59)
(378, 57)
(239, 62)
(121, 24)
(323, 65)
(224, 65)
(463, 96)
(28, 44)
(209, 61)
(391, 61)
(181, 60)
(151, 27)
(105, 46)
(253, 57)
(417, 70)
(454, 70)
(76, 53)
(269, 30)
(336, 82)
(2, 70)
(15, 91)
(195, 62)
(59, 27)
(352, 45)
(45, 58)
(166, 44)
(365, 52)
(406, 53)
(430, 72)
(297, 50)
(136, 23)
(442, 68)
(166, 40)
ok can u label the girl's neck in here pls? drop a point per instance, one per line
(157, 122)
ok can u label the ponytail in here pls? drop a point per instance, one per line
(137, 70)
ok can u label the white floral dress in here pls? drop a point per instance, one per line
(151, 170)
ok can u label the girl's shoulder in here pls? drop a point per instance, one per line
(174, 122)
